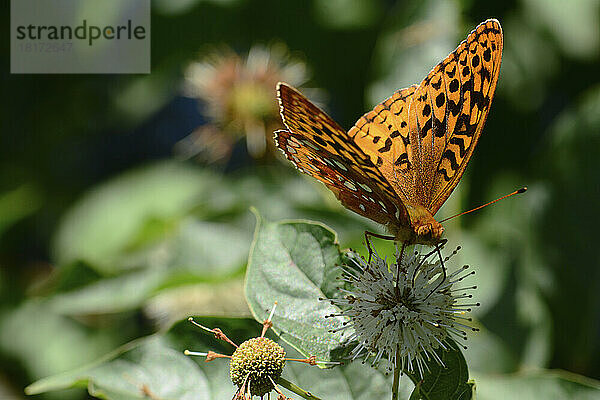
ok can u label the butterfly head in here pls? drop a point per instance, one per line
(430, 233)
(422, 228)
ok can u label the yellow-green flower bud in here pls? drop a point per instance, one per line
(254, 362)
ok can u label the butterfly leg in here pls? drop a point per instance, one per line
(368, 242)
(438, 248)
(400, 266)
(419, 266)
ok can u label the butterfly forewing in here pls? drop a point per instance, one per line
(434, 128)
(478, 61)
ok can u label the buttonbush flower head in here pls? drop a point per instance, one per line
(405, 311)
(237, 94)
(256, 364)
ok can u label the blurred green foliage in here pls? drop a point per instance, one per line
(105, 237)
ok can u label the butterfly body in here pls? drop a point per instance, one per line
(422, 228)
(399, 163)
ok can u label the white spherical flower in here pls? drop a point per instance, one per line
(404, 311)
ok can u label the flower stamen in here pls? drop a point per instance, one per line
(210, 355)
(405, 311)
(215, 331)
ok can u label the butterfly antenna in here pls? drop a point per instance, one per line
(522, 190)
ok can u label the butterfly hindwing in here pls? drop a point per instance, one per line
(355, 191)
(302, 117)
(319, 147)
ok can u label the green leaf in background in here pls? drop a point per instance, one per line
(196, 251)
(122, 293)
(17, 204)
(347, 14)
(102, 225)
(537, 384)
(47, 343)
(294, 263)
(487, 353)
(529, 62)
(574, 28)
(143, 368)
(209, 249)
(418, 35)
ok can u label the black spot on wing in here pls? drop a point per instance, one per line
(453, 86)
(450, 156)
(426, 128)
(403, 159)
(460, 142)
(487, 55)
(319, 140)
(440, 99)
(387, 146)
(426, 110)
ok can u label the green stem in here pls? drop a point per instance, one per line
(293, 388)
(397, 371)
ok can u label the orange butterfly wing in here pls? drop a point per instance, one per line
(422, 137)
(319, 147)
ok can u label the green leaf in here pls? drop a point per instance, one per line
(122, 293)
(574, 28)
(294, 263)
(448, 381)
(537, 384)
(17, 204)
(196, 251)
(46, 343)
(106, 221)
(209, 249)
(487, 353)
(354, 381)
(143, 368)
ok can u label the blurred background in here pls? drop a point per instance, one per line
(124, 199)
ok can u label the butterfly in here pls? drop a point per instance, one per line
(399, 163)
